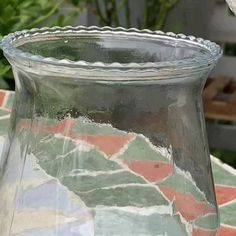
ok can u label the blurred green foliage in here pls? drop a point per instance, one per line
(230, 49)
(24, 14)
(154, 13)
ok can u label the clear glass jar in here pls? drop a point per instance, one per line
(107, 134)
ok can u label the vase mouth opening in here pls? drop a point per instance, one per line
(109, 49)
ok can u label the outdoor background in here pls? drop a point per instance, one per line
(209, 19)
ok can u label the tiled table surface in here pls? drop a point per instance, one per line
(224, 175)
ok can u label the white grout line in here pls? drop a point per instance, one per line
(124, 166)
(227, 203)
(119, 186)
(145, 211)
(94, 173)
(228, 226)
(207, 230)
(225, 186)
(5, 117)
(124, 148)
(228, 168)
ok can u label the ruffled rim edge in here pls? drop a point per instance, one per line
(8, 47)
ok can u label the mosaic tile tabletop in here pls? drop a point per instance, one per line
(110, 146)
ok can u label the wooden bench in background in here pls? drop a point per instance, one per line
(219, 100)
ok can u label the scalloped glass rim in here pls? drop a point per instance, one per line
(200, 61)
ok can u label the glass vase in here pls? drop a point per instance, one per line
(107, 134)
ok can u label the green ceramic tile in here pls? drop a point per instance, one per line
(140, 149)
(10, 100)
(228, 214)
(208, 222)
(182, 184)
(4, 124)
(90, 182)
(221, 176)
(86, 127)
(135, 196)
(109, 222)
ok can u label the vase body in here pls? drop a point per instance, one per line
(107, 135)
